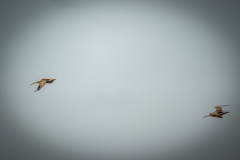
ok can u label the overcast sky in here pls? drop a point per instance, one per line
(133, 80)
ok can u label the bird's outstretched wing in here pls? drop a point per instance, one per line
(41, 84)
(222, 113)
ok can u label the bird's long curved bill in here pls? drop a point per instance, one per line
(33, 83)
(225, 105)
(205, 116)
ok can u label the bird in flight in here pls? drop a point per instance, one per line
(42, 82)
(218, 113)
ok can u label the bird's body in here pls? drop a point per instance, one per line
(218, 113)
(42, 82)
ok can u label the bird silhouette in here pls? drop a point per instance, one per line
(218, 113)
(42, 82)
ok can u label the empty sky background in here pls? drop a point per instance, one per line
(133, 80)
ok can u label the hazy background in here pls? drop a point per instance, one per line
(133, 80)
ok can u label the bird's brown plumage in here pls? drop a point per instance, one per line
(42, 82)
(218, 113)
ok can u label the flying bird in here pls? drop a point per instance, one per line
(42, 82)
(218, 113)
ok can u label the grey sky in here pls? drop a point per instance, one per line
(132, 79)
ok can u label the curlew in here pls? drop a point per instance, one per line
(42, 82)
(218, 113)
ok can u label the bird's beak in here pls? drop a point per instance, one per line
(225, 105)
(205, 116)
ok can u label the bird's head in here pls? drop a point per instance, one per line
(206, 116)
